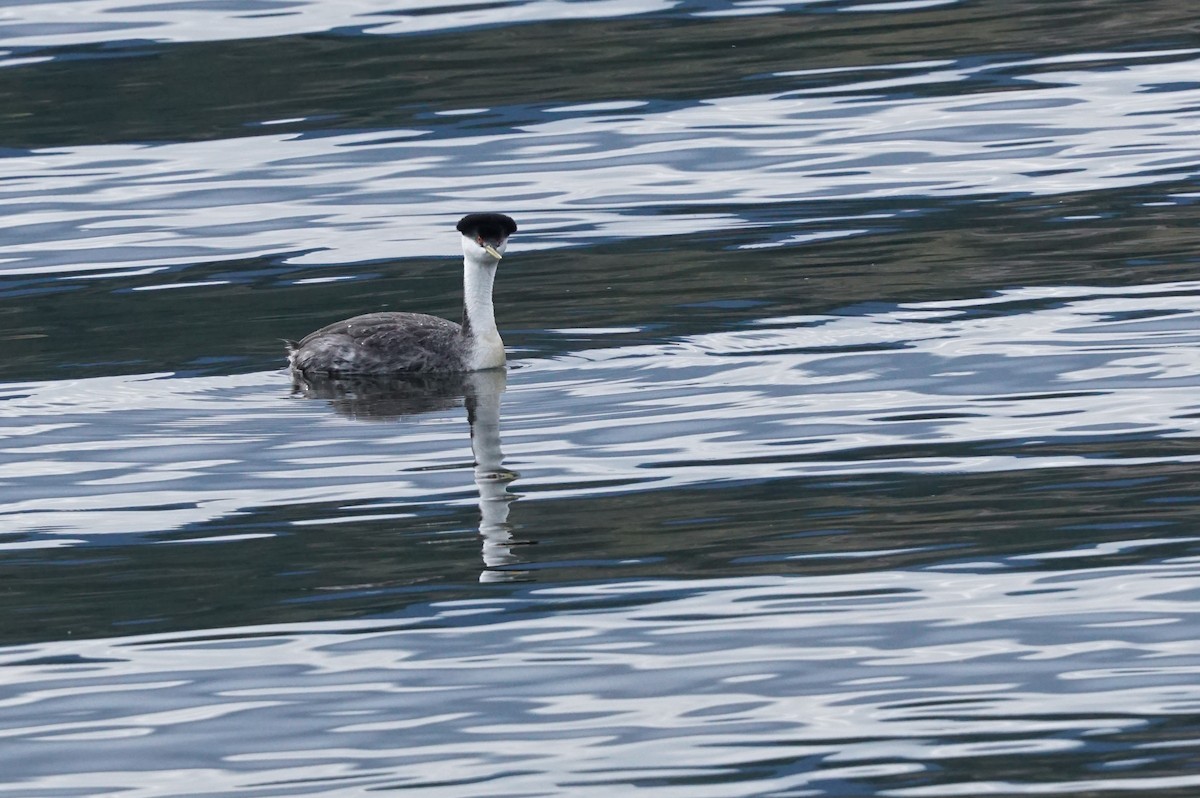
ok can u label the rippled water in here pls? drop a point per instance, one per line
(847, 446)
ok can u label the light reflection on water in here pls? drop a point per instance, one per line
(337, 199)
(45, 24)
(929, 387)
(848, 448)
(880, 683)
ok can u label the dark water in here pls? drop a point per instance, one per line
(848, 447)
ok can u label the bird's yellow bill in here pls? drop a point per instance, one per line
(492, 251)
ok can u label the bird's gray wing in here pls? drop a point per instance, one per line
(382, 342)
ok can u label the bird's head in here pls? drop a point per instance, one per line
(485, 236)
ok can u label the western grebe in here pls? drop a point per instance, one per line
(392, 343)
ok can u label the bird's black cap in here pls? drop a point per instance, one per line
(488, 226)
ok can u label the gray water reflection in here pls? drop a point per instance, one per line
(1032, 378)
(44, 24)
(589, 173)
(985, 433)
(855, 411)
(907, 683)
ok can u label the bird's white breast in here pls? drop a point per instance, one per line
(487, 352)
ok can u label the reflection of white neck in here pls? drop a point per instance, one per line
(479, 274)
(484, 390)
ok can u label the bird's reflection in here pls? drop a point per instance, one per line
(483, 390)
(384, 398)
(391, 398)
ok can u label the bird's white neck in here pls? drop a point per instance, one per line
(479, 316)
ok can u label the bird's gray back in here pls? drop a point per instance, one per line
(382, 342)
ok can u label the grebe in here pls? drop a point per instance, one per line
(391, 343)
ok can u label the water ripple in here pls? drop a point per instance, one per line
(852, 412)
(45, 24)
(622, 172)
(1081, 376)
(878, 682)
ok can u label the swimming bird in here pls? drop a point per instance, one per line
(393, 343)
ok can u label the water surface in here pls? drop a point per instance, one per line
(847, 446)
